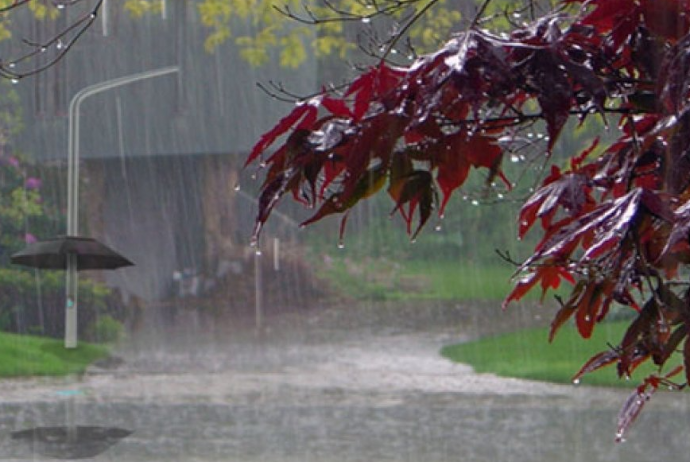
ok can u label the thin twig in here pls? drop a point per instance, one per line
(77, 28)
(407, 27)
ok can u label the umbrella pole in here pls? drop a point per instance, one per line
(71, 302)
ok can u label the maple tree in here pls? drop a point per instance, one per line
(615, 220)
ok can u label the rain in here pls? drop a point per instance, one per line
(299, 348)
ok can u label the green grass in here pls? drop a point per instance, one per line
(527, 354)
(382, 279)
(24, 355)
(453, 280)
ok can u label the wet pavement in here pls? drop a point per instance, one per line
(318, 386)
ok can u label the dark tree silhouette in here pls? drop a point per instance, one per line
(615, 221)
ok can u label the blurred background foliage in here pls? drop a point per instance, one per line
(31, 300)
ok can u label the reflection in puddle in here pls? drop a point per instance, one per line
(71, 442)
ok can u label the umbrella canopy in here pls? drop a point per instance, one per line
(52, 254)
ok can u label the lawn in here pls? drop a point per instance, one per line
(382, 279)
(527, 354)
(453, 280)
(24, 355)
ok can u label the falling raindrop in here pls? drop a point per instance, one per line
(237, 187)
(14, 81)
(475, 202)
(438, 228)
(60, 6)
(258, 252)
(366, 20)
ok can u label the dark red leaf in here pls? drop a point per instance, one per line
(596, 362)
(337, 107)
(415, 189)
(680, 233)
(570, 192)
(362, 88)
(302, 116)
(271, 193)
(587, 309)
(563, 314)
(686, 359)
(631, 410)
(632, 346)
(522, 287)
(549, 276)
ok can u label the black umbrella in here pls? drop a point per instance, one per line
(52, 254)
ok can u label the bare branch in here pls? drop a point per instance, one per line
(21, 66)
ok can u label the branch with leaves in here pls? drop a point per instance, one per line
(615, 220)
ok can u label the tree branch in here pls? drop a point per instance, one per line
(63, 41)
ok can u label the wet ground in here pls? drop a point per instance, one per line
(365, 384)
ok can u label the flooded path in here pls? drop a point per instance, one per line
(316, 388)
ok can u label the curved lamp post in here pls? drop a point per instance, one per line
(73, 187)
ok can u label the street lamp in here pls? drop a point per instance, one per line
(73, 187)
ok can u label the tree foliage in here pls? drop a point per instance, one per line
(614, 220)
(298, 28)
